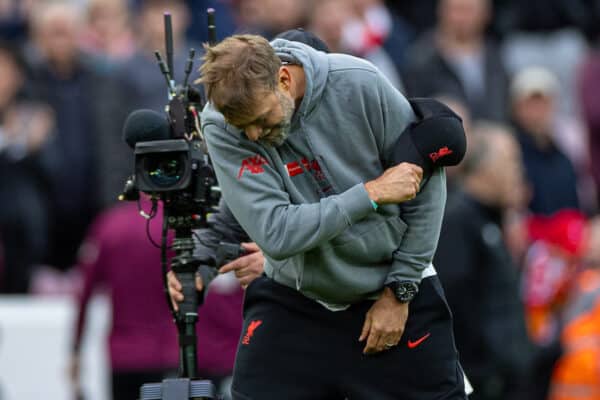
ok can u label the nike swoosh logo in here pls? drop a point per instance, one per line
(412, 345)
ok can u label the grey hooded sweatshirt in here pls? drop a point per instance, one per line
(305, 204)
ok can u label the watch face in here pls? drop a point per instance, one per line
(406, 291)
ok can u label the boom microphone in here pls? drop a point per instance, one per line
(145, 125)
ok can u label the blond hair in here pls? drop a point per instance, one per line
(238, 71)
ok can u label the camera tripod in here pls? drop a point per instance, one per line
(185, 265)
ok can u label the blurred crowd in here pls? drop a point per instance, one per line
(519, 253)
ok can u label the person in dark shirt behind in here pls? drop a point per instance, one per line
(86, 109)
(534, 91)
(476, 268)
(458, 58)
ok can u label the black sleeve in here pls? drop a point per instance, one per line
(223, 227)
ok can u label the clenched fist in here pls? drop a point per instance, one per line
(396, 185)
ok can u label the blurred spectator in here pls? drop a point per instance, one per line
(376, 26)
(477, 272)
(107, 32)
(457, 59)
(25, 126)
(269, 17)
(550, 173)
(117, 256)
(549, 270)
(86, 106)
(330, 20)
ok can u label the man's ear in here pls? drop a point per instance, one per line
(285, 78)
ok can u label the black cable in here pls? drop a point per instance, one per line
(149, 218)
(153, 210)
(149, 234)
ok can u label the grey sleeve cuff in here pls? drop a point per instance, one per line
(355, 203)
(403, 273)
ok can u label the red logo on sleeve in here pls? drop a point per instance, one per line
(443, 152)
(253, 164)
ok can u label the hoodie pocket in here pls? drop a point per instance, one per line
(370, 242)
(355, 263)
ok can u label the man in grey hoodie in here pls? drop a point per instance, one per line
(298, 140)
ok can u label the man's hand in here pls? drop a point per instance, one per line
(175, 289)
(384, 323)
(247, 267)
(397, 184)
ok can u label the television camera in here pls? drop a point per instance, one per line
(172, 166)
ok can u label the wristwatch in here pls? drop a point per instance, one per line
(404, 291)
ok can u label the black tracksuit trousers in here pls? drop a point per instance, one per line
(292, 348)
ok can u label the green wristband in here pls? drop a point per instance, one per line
(374, 204)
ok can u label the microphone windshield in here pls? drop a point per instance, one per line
(145, 125)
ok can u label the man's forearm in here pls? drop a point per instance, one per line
(424, 216)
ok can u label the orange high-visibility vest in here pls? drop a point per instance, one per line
(576, 375)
